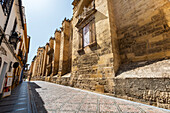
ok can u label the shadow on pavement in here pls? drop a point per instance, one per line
(17, 102)
(39, 103)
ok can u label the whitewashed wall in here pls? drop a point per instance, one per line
(2, 17)
(7, 59)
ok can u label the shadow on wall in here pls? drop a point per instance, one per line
(37, 98)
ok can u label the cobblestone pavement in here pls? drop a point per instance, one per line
(18, 102)
(53, 98)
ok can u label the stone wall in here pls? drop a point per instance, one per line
(129, 34)
(65, 81)
(143, 29)
(94, 62)
(64, 64)
(70, 48)
(114, 37)
(57, 52)
(154, 91)
(38, 63)
(45, 60)
(50, 56)
(40, 58)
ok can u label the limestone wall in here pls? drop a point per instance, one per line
(34, 73)
(154, 91)
(57, 52)
(64, 64)
(40, 59)
(70, 48)
(45, 60)
(94, 63)
(143, 29)
(49, 57)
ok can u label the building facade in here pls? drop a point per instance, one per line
(14, 44)
(117, 47)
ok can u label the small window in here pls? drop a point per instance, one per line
(87, 35)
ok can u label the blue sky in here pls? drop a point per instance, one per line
(43, 18)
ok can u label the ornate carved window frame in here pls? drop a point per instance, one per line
(88, 19)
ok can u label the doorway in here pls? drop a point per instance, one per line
(2, 76)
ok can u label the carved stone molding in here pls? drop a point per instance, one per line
(3, 51)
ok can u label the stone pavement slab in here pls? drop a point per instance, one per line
(55, 98)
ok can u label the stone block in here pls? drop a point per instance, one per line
(102, 82)
(99, 88)
(167, 53)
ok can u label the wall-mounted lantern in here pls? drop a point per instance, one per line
(14, 39)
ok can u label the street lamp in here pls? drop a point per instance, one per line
(14, 39)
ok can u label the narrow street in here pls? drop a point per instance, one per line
(85, 56)
(53, 98)
(44, 97)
